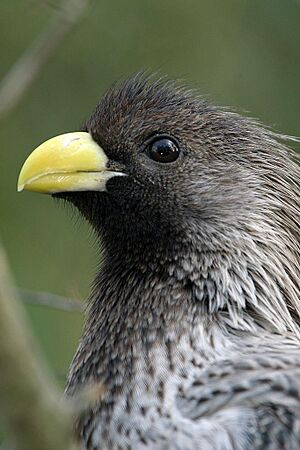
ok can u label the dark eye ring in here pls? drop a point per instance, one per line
(163, 150)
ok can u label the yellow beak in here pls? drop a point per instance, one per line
(65, 163)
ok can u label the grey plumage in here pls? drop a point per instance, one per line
(193, 320)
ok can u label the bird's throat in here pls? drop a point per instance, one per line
(140, 303)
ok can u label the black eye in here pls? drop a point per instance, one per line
(163, 150)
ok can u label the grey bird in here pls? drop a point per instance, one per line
(192, 331)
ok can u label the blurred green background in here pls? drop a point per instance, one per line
(240, 53)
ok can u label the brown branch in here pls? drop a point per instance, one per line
(26, 69)
(30, 402)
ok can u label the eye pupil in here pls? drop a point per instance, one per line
(163, 150)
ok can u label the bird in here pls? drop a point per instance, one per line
(192, 331)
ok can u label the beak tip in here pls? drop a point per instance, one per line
(20, 187)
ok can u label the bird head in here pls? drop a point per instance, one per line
(154, 161)
(159, 171)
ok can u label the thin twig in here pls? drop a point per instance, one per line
(30, 403)
(26, 69)
(50, 300)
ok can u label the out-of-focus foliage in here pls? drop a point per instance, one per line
(242, 53)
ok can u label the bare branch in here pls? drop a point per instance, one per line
(22, 74)
(31, 404)
(50, 300)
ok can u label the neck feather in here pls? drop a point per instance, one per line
(138, 302)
